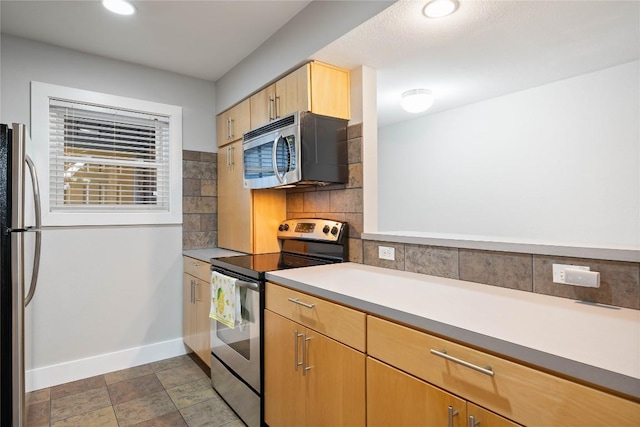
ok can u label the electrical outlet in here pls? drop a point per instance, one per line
(387, 252)
(559, 272)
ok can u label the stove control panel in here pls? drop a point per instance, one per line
(312, 229)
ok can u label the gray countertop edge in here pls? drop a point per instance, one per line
(590, 374)
(206, 254)
(627, 255)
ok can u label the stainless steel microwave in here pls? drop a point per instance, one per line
(296, 150)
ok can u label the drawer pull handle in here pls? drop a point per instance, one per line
(486, 370)
(195, 264)
(472, 421)
(304, 304)
(452, 413)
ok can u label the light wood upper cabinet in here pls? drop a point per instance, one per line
(293, 92)
(247, 219)
(196, 296)
(233, 123)
(315, 87)
(330, 89)
(263, 106)
(234, 201)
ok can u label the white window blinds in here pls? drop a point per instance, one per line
(107, 159)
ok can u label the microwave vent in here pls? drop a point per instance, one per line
(270, 127)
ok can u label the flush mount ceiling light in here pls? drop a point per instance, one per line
(121, 7)
(439, 8)
(417, 100)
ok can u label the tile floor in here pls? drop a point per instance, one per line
(168, 393)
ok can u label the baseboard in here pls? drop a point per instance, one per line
(48, 376)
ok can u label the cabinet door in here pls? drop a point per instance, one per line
(263, 106)
(330, 87)
(396, 399)
(234, 201)
(292, 92)
(223, 131)
(284, 403)
(189, 312)
(231, 124)
(334, 383)
(203, 322)
(483, 418)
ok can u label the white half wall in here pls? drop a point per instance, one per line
(557, 164)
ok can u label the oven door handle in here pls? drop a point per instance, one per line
(248, 285)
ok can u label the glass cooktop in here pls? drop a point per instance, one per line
(256, 265)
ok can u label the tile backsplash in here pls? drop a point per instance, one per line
(619, 281)
(341, 202)
(199, 200)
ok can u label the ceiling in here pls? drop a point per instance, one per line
(485, 49)
(202, 39)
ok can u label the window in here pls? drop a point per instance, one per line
(107, 159)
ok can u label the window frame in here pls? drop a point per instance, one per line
(40, 98)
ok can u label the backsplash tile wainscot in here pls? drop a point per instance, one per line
(199, 200)
(341, 202)
(619, 281)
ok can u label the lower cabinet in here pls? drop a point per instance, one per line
(314, 361)
(310, 379)
(315, 366)
(525, 395)
(196, 305)
(398, 399)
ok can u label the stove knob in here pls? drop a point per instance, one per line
(286, 227)
(281, 227)
(334, 230)
(325, 230)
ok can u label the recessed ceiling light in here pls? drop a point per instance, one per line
(121, 7)
(417, 100)
(439, 8)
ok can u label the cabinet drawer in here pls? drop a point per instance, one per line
(520, 393)
(340, 323)
(197, 268)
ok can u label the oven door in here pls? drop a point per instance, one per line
(239, 347)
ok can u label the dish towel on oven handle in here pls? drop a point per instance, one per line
(225, 300)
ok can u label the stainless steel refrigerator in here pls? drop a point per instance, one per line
(14, 297)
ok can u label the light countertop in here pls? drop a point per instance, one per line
(206, 254)
(595, 343)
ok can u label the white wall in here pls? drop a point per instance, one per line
(556, 164)
(25, 60)
(108, 297)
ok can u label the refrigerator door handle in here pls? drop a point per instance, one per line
(36, 229)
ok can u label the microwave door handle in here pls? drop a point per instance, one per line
(290, 168)
(274, 158)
